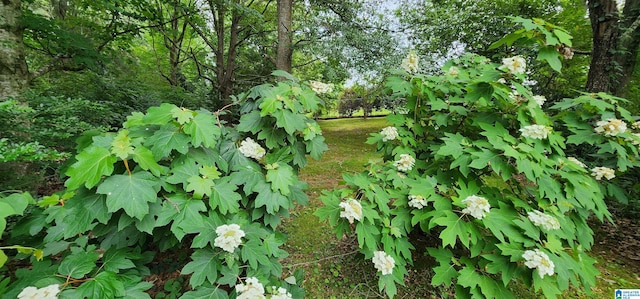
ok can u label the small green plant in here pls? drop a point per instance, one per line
(176, 178)
(479, 165)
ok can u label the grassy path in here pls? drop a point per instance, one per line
(330, 264)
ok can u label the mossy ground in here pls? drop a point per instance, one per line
(334, 268)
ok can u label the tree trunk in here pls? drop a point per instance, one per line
(284, 50)
(14, 73)
(615, 45)
(628, 43)
(603, 15)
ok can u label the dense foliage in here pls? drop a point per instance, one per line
(482, 164)
(174, 178)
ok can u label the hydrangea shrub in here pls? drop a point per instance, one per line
(182, 180)
(480, 163)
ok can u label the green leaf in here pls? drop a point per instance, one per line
(104, 285)
(184, 212)
(455, 228)
(500, 220)
(271, 200)
(203, 130)
(224, 197)
(206, 231)
(281, 73)
(138, 291)
(78, 264)
(130, 192)
(270, 105)
(3, 258)
(501, 264)
(121, 145)
(204, 264)
(144, 157)
(160, 115)
(206, 293)
(251, 122)
(563, 36)
(480, 90)
(316, 147)
(16, 204)
(182, 169)
(290, 121)
(200, 186)
(183, 115)
(166, 139)
(551, 56)
(453, 145)
(254, 253)
(281, 178)
(92, 163)
(115, 259)
(81, 211)
(469, 277)
(444, 274)
(309, 100)
(367, 235)
(273, 137)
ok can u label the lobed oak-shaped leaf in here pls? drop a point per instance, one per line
(203, 266)
(203, 129)
(130, 193)
(92, 163)
(281, 178)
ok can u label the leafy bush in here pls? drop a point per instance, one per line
(479, 165)
(175, 178)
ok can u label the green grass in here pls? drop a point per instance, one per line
(334, 268)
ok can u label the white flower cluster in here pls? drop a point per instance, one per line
(281, 294)
(251, 289)
(383, 262)
(611, 127)
(251, 149)
(352, 210)
(453, 71)
(599, 172)
(536, 131)
(578, 162)
(320, 87)
(229, 237)
(389, 133)
(543, 220)
(540, 260)
(539, 100)
(410, 64)
(48, 292)
(417, 201)
(634, 141)
(405, 163)
(476, 206)
(516, 64)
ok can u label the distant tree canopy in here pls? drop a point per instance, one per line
(213, 49)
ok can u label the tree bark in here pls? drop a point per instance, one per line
(603, 15)
(628, 43)
(616, 38)
(285, 47)
(14, 73)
